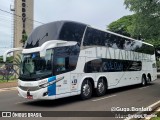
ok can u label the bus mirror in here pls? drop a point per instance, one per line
(10, 51)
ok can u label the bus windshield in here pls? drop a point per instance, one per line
(34, 67)
(60, 30)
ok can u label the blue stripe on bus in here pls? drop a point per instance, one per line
(52, 88)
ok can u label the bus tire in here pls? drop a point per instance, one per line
(86, 89)
(149, 79)
(144, 82)
(101, 87)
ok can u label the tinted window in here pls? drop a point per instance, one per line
(38, 36)
(61, 30)
(72, 32)
(94, 37)
(65, 59)
(97, 37)
(100, 38)
(61, 64)
(112, 65)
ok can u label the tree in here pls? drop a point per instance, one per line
(24, 38)
(17, 60)
(9, 59)
(147, 18)
(123, 26)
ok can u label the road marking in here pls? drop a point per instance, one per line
(144, 87)
(103, 98)
(154, 104)
(151, 106)
(8, 89)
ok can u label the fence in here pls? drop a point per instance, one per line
(8, 71)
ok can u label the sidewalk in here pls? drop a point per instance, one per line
(8, 84)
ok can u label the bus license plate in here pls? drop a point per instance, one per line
(30, 97)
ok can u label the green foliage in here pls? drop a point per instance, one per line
(12, 59)
(158, 64)
(156, 118)
(17, 60)
(154, 42)
(144, 24)
(147, 18)
(1, 59)
(12, 79)
(9, 59)
(24, 38)
(123, 26)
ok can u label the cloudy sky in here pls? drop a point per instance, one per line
(97, 13)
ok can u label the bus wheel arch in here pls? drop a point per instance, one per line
(149, 79)
(87, 88)
(102, 86)
(144, 80)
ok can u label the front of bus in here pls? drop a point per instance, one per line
(37, 79)
(33, 72)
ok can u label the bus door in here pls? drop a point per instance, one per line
(61, 70)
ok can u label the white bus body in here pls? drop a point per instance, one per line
(95, 60)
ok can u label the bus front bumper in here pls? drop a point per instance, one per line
(37, 94)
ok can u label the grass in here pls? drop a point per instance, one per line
(156, 118)
(11, 79)
(5, 81)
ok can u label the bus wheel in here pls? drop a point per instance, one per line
(86, 89)
(144, 82)
(101, 87)
(149, 79)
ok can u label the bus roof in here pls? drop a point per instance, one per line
(54, 30)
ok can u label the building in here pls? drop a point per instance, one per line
(23, 20)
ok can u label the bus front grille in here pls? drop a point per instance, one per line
(29, 88)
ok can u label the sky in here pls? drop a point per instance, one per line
(93, 12)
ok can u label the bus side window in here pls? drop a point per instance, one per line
(60, 64)
(73, 62)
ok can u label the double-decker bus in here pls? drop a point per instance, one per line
(66, 58)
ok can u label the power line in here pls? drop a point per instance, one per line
(11, 20)
(15, 19)
(20, 16)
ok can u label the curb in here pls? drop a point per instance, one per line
(154, 107)
(154, 113)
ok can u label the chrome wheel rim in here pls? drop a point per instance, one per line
(86, 90)
(143, 81)
(101, 87)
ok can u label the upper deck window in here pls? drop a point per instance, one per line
(94, 37)
(72, 32)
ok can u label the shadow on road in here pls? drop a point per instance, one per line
(54, 103)
(75, 99)
(127, 88)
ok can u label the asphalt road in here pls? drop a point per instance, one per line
(126, 97)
